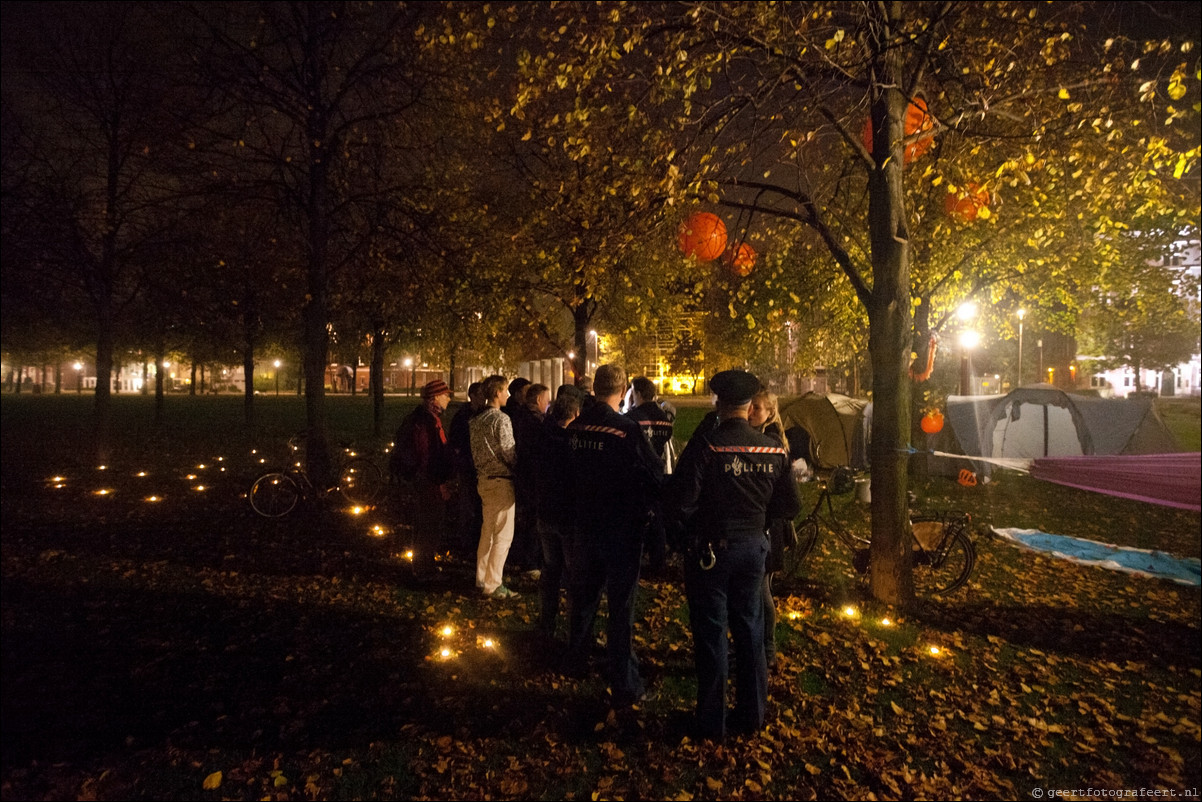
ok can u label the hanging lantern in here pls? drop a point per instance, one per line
(932, 422)
(702, 236)
(917, 120)
(967, 203)
(740, 261)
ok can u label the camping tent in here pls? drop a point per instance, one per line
(828, 430)
(1042, 421)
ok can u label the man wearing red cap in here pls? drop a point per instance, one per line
(423, 440)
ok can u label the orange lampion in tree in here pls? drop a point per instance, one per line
(932, 422)
(967, 203)
(702, 236)
(917, 121)
(741, 260)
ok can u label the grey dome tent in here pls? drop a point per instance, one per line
(1043, 421)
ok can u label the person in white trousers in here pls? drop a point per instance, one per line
(493, 454)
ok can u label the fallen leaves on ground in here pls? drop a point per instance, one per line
(192, 649)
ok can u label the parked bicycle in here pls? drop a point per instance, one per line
(943, 553)
(359, 480)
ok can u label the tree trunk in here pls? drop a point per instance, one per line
(250, 319)
(582, 315)
(889, 328)
(192, 382)
(159, 356)
(145, 377)
(376, 377)
(314, 315)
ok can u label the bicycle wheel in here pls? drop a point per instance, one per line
(807, 536)
(361, 481)
(274, 495)
(945, 570)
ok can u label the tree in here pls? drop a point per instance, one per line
(1147, 321)
(311, 90)
(99, 116)
(775, 100)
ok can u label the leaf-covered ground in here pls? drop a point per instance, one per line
(185, 648)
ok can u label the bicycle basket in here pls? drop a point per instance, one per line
(929, 534)
(841, 482)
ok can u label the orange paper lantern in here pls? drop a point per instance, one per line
(917, 120)
(968, 203)
(932, 422)
(740, 261)
(702, 236)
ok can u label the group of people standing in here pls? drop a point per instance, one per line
(589, 488)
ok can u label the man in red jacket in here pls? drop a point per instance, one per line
(428, 464)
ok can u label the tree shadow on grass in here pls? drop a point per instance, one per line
(1060, 630)
(91, 670)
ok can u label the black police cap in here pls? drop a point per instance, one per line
(734, 387)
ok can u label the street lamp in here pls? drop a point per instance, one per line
(78, 378)
(412, 374)
(1021, 314)
(1039, 345)
(277, 378)
(969, 340)
(596, 352)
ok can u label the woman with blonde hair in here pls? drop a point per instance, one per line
(764, 415)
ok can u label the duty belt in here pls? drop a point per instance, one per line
(707, 559)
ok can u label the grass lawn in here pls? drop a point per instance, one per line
(184, 648)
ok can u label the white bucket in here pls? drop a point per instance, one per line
(864, 490)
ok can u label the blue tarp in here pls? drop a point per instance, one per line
(1106, 555)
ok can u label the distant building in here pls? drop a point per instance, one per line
(1186, 378)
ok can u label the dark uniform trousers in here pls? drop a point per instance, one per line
(728, 597)
(610, 563)
(615, 475)
(729, 482)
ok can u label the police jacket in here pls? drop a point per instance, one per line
(555, 504)
(729, 482)
(656, 425)
(615, 475)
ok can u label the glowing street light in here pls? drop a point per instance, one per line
(412, 374)
(277, 377)
(78, 378)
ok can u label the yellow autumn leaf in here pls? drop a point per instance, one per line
(712, 784)
(897, 708)
(1063, 94)
(212, 782)
(1176, 89)
(280, 780)
(812, 769)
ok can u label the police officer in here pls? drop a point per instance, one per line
(728, 483)
(656, 422)
(615, 478)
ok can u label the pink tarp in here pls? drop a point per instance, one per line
(1173, 480)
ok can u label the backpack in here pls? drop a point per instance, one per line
(404, 462)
